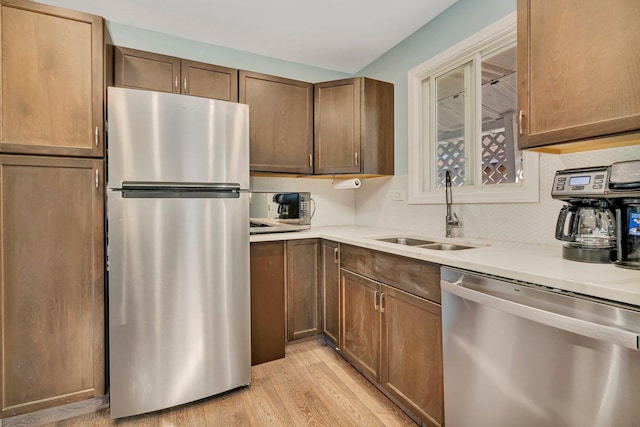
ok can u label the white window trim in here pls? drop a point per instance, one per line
(501, 32)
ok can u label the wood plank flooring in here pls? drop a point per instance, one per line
(311, 386)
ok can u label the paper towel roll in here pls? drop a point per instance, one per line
(346, 184)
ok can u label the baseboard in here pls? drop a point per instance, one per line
(59, 413)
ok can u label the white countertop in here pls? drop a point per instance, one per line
(542, 265)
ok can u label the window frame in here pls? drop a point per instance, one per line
(422, 152)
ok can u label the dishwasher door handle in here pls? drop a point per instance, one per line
(585, 328)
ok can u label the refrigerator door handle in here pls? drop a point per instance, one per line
(188, 190)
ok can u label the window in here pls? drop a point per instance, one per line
(462, 115)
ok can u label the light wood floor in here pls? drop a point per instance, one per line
(311, 386)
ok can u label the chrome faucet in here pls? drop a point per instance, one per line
(452, 218)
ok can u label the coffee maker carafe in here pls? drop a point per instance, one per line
(587, 222)
(589, 228)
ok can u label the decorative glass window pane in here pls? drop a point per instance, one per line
(454, 131)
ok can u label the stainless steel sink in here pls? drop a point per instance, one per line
(407, 241)
(425, 244)
(446, 247)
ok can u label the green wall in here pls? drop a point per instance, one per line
(137, 38)
(463, 19)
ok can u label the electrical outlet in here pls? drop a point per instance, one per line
(398, 196)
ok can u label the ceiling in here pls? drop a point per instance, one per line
(339, 35)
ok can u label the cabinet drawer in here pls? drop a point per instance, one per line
(417, 277)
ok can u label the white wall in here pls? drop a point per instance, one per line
(516, 222)
(333, 207)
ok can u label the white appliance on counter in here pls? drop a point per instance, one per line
(178, 249)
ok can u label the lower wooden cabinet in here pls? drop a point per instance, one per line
(330, 288)
(411, 368)
(52, 279)
(360, 328)
(267, 301)
(392, 336)
(303, 308)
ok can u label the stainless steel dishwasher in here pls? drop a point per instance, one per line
(517, 354)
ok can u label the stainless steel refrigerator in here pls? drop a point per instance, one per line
(178, 249)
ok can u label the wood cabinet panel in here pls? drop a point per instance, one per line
(267, 301)
(280, 123)
(337, 127)
(417, 277)
(360, 326)
(412, 354)
(52, 279)
(353, 129)
(52, 80)
(331, 291)
(209, 81)
(138, 69)
(303, 308)
(578, 70)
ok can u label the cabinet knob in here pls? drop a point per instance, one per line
(375, 300)
(184, 84)
(310, 160)
(97, 178)
(382, 299)
(95, 135)
(356, 156)
(175, 83)
(335, 255)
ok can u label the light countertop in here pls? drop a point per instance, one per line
(538, 264)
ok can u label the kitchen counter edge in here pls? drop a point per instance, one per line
(537, 264)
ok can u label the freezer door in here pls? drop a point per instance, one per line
(155, 136)
(179, 304)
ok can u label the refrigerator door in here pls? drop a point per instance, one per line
(156, 136)
(179, 304)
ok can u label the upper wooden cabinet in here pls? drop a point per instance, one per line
(52, 80)
(145, 70)
(578, 70)
(280, 123)
(52, 280)
(353, 127)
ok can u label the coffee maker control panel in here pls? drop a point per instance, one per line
(580, 182)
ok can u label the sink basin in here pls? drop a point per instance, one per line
(425, 244)
(445, 247)
(405, 241)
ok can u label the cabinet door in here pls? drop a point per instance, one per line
(303, 310)
(412, 354)
(578, 69)
(267, 301)
(360, 327)
(331, 291)
(52, 80)
(280, 124)
(337, 126)
(51, 275)
(209, 81)
(145, 70)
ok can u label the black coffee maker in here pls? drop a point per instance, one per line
(624, 191)
(587, 222)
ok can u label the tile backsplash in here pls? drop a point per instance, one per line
(372, 204)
